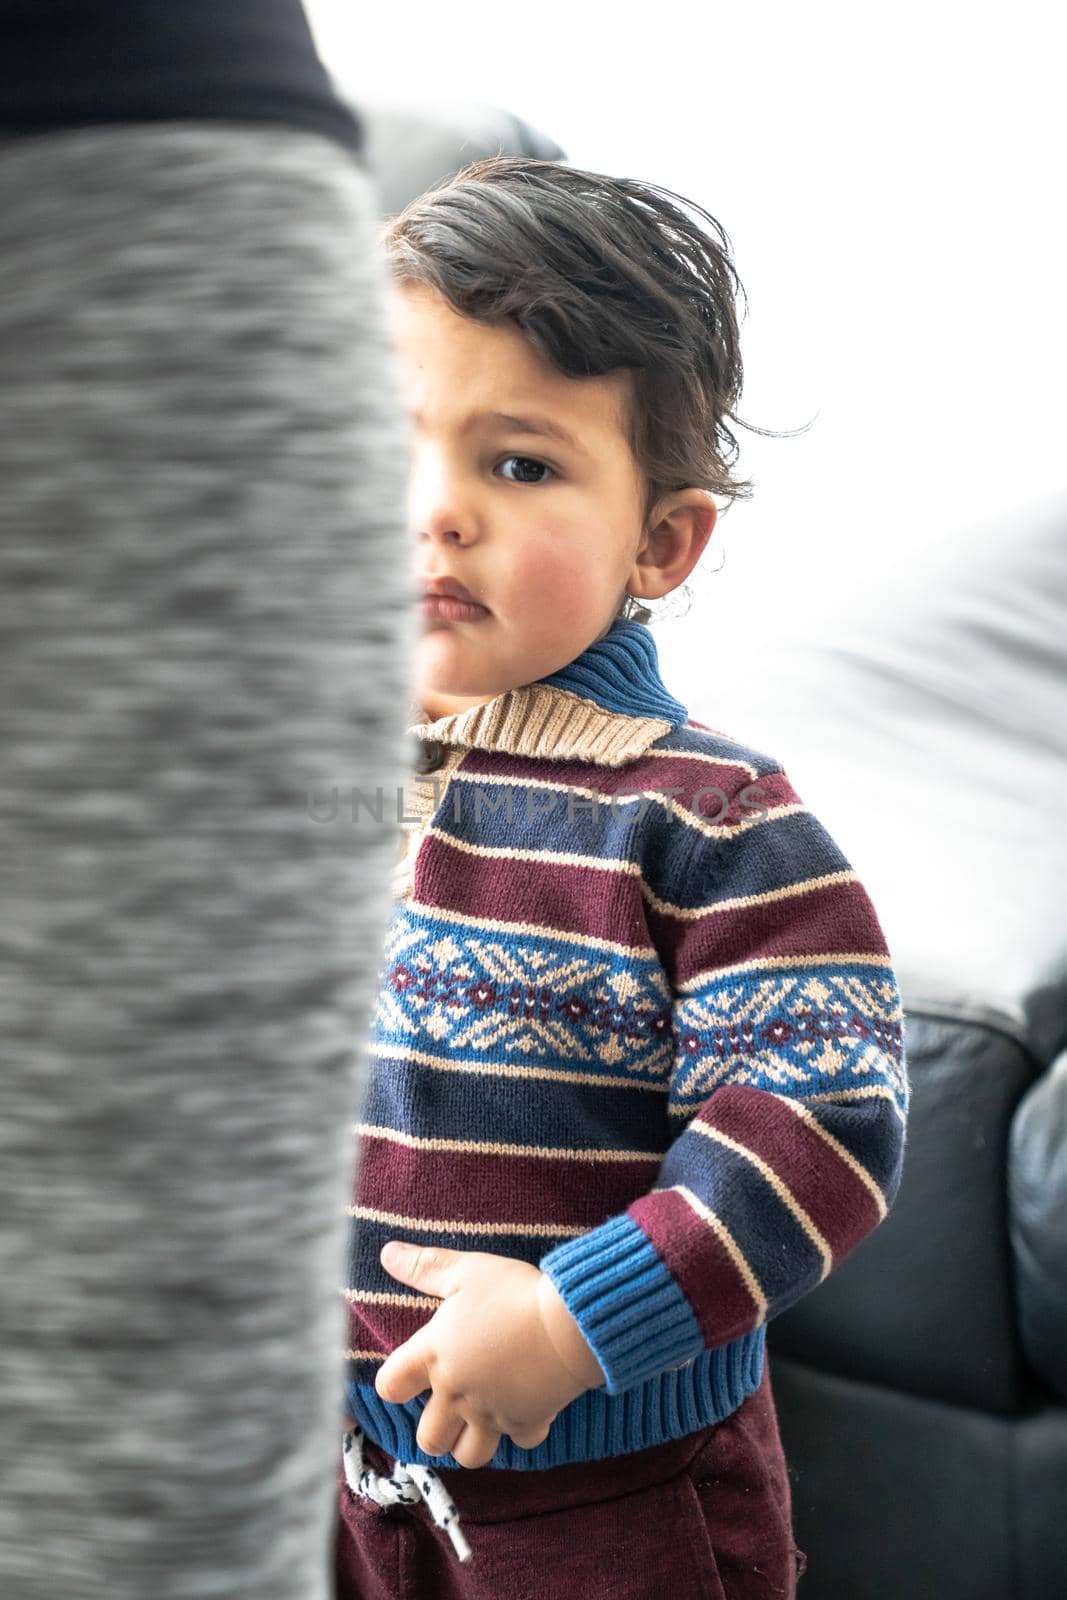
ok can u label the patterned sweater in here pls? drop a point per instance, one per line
(637, 1025)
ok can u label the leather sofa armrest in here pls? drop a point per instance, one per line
(1037, 1193)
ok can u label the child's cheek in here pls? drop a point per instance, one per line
(559, 576)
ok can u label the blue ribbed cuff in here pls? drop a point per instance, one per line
(629, 1308)
(597, 1425)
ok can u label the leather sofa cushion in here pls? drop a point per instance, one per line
(1037, 1188)
(925, 1303)
(896, 1498)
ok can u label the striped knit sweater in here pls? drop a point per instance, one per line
(652, 1045)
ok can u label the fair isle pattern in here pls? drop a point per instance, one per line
(636, 1025)
(519, 997)
(804, 1033)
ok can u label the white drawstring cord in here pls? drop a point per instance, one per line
(408, 1484)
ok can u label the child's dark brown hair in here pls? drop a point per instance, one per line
(599, 273)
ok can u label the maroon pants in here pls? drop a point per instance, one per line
(704, 1517)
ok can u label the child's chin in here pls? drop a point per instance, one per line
(433, 680)
(445, 653)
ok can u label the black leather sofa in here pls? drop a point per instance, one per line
(922, 1390)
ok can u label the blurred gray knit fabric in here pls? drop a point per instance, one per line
(205, 620)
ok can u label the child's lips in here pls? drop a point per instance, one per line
(446, 608)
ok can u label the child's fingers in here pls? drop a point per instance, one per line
(439, 1426)
(476, 1445)
(529, 1438)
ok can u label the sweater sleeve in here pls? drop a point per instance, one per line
(787, 1100)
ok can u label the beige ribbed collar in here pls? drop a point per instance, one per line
(539, 719)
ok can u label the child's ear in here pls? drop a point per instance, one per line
(674, 542)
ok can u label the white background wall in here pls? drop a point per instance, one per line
(891, 179)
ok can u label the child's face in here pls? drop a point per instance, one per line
(543, 533)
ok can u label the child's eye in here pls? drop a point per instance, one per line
(529, 461)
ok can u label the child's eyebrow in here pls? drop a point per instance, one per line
(543, 426)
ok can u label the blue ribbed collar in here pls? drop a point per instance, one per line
(621, 673)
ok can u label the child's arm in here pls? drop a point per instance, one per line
(789, 1093)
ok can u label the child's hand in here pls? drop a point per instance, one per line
(502, 1354)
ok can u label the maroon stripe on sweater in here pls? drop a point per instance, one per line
(587, 901)
(836, 1199)
(680, 770)
(479, 1187)
(723, 796)
(817, 922)
(373, 1326)
(697, 1259)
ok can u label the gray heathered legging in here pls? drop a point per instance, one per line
(203, 617)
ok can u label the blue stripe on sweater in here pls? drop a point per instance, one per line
(686, 868)
(505, 815)
(368, 1237)
(436, 1104)
(706, 742)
